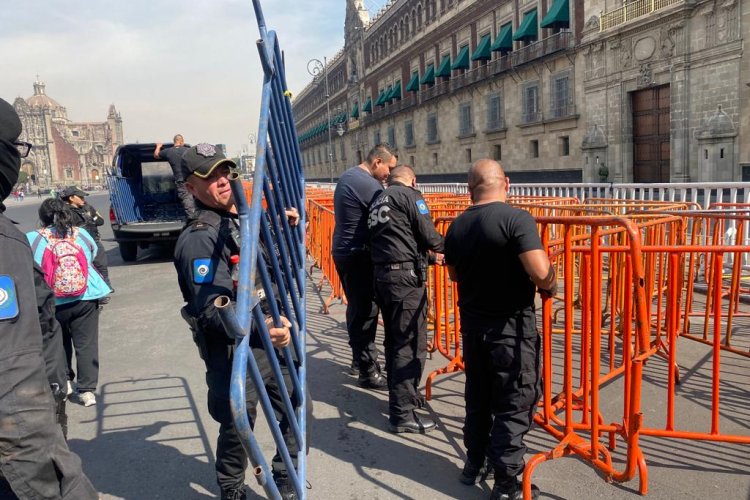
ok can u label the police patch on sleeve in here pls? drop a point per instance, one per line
(422, 207)
(8, 298)
(203, 271)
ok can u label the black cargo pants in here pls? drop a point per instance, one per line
(231, 460)
(503, 386)
(403, 300)
(355, 272)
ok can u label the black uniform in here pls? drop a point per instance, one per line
(174, 156)
(88, 218)
(36, 461)
(401, 233)
(204, 269)
(355, 191)
(501, 346)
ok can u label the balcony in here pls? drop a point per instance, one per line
(500, 65)
(561, 112)
(390, 109)
(632, 10)
(555, 43)
(531, 117)
(435, 91)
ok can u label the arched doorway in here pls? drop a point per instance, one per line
(28, 168)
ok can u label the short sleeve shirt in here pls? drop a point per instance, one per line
(484, 244)
(355, 191)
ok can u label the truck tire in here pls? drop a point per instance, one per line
(128, 251)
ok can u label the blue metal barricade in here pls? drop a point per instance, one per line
(272, 257)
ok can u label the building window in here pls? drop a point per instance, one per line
(560, 99)
(432, 128)
(497, 152)
(534, 149)
(68, 173)
(333, 152)
(465, 126)
(565, 146)
(409, 133)
(530, 104)
(343, 151)
(468, 155)
(495, 112)
(411, 162)
(75, 133)
(376, 138)
(392, 136)
(434, 159)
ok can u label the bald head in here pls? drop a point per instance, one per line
(487, 181)
(178, 140)
(403, 174)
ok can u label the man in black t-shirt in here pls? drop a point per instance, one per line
(401, 234)
(355, 190)
(174, 156)
(494, 254)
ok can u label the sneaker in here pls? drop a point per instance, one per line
(234, 494)
(286, 488)
(86, 398)
(511, 489)
(69, 389)
(473, 474)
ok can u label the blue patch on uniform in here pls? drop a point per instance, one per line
(8, 298)
(422, 207)
(203, 271)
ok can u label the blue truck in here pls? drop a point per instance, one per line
(144, 208)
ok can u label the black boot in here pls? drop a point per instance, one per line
(511, 489)
(415, 425)
(373, 380)
(285, 486)
(234, 494)
(475, 473)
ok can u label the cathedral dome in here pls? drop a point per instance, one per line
(41, 99)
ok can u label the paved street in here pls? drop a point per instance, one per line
(150, 435)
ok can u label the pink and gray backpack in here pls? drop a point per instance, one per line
(64, 263)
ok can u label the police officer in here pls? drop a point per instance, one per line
(36, 461)
(203, 259)
(88, 218)
(494, 253)
(355, 191)
(401, 234)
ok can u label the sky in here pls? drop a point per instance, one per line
(188, 66)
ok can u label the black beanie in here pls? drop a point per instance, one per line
(10, 161)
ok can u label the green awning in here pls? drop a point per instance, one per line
(380, 101)
(388, 94)
(528, 28)
(504, 40)
(367, 108)
(482, 52)
(444, 69)
(462, 59)
(558, 15)
(429, 75)
(396, 93)
(355, 110)
(413, 85)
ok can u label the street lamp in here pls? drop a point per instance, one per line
(315, 68)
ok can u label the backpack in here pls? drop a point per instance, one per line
(64, 263)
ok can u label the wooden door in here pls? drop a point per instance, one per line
(651, 126)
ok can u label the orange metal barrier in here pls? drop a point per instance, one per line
(319, 245)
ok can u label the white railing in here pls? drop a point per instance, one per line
(632, 10)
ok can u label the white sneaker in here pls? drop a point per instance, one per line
(86, 398)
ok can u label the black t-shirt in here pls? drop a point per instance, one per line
(401, 229)
(355, 190)
(483, 244)
(174, 156)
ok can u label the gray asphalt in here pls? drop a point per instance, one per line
(150, 435)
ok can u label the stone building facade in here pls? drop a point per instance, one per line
(65, 152)
(557, 90)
